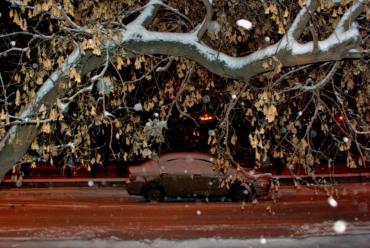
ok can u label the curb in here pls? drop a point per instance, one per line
(121, 182)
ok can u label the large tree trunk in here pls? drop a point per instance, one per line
(19, 137)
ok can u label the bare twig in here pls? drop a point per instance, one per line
(4, 93)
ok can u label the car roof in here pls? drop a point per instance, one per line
(178, 155)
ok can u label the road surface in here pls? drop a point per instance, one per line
(110, 213)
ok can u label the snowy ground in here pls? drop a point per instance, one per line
(109, 217)
(342, 241)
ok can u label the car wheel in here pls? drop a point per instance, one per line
(241, 193)
(154, 193)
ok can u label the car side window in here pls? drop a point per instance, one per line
(191, 166)
(203, 167)
(174, 166)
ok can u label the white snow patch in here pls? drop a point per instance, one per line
(114, 241)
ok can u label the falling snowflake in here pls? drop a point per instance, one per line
(313, 133)
(244, 24)
(138, 107)
(211, 132)
(263, 241)
(214, 27)
(12, 43)
(332, 202)
(199, 212)
(283, 130)
(90, 183)
(340, 226)
(18, 184)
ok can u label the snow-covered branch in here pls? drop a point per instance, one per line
(13, 145)
(35, 36)
(288, 51)
(301, 20)
(21, 121)
(63, 104)
(14, 49)
(344, 42)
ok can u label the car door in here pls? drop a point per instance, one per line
(175, 177)
(206, 179)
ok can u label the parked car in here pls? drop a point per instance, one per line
(194, 175)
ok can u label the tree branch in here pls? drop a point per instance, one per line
(343, 43)
(204, 25)
(19, 137)
(288, 51)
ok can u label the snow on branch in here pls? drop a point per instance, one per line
(302, 18)
(148, 14)
(64, 103)
(343, 43)
(10, 148)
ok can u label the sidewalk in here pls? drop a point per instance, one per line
(63, 182)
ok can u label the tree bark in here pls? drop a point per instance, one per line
(19, 137)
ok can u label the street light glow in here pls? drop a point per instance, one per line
(206, 117)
